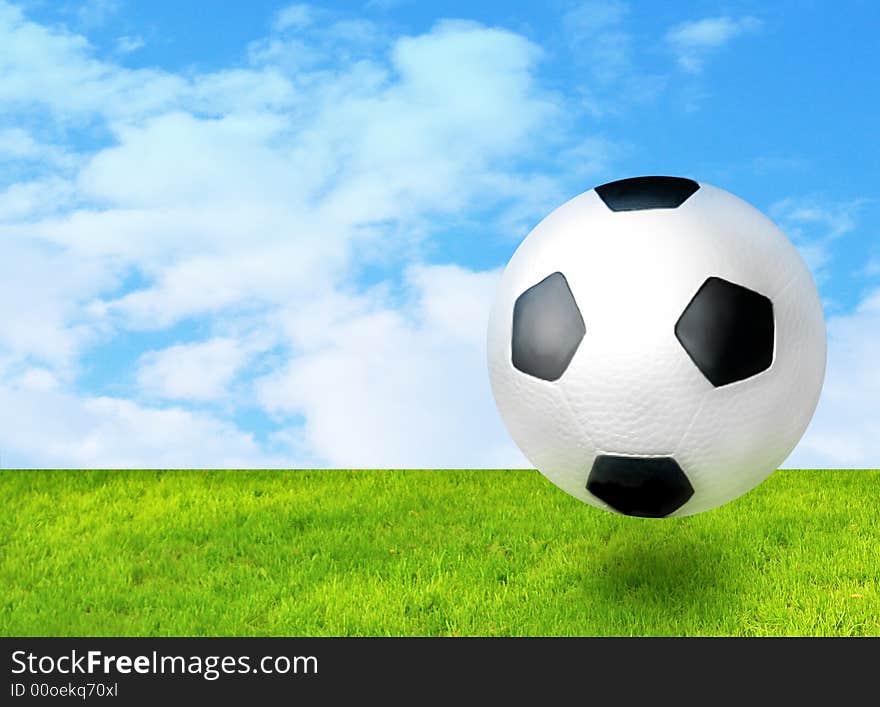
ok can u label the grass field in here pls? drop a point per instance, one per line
(92, 553)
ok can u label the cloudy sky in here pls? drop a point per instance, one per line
(269, 236)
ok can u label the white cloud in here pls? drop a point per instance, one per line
(836, 221)
(814, 225)
(606, 51)
(597, 37)
(588, 18)
(23, 201)
(385, 386)
(296, 16)
(221, 211)
(291, 55)
(128, 44)
(201, 371)
(40, 313)
(246, 192)
(693, 40)
(185, 160)
(18, 145)
(845, 431)
(56, 69)
(93, 13)
(710, 32)
(38, 379)
(56, 429)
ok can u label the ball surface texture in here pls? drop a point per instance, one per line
(656, 346)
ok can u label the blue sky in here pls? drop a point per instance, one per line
(268, 234)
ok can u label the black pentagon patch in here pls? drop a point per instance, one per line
(728, 331)
(638, 193)
(547, 328)
(648, 487)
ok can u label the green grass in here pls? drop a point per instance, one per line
(92, 553)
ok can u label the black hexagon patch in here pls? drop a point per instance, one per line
(547, 328)
(728, 331)
(638, 193)
(649, 487)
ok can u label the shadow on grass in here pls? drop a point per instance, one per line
(672, 587)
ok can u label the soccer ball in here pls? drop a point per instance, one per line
(656, 347)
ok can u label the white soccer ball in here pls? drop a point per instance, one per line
(656, 347)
